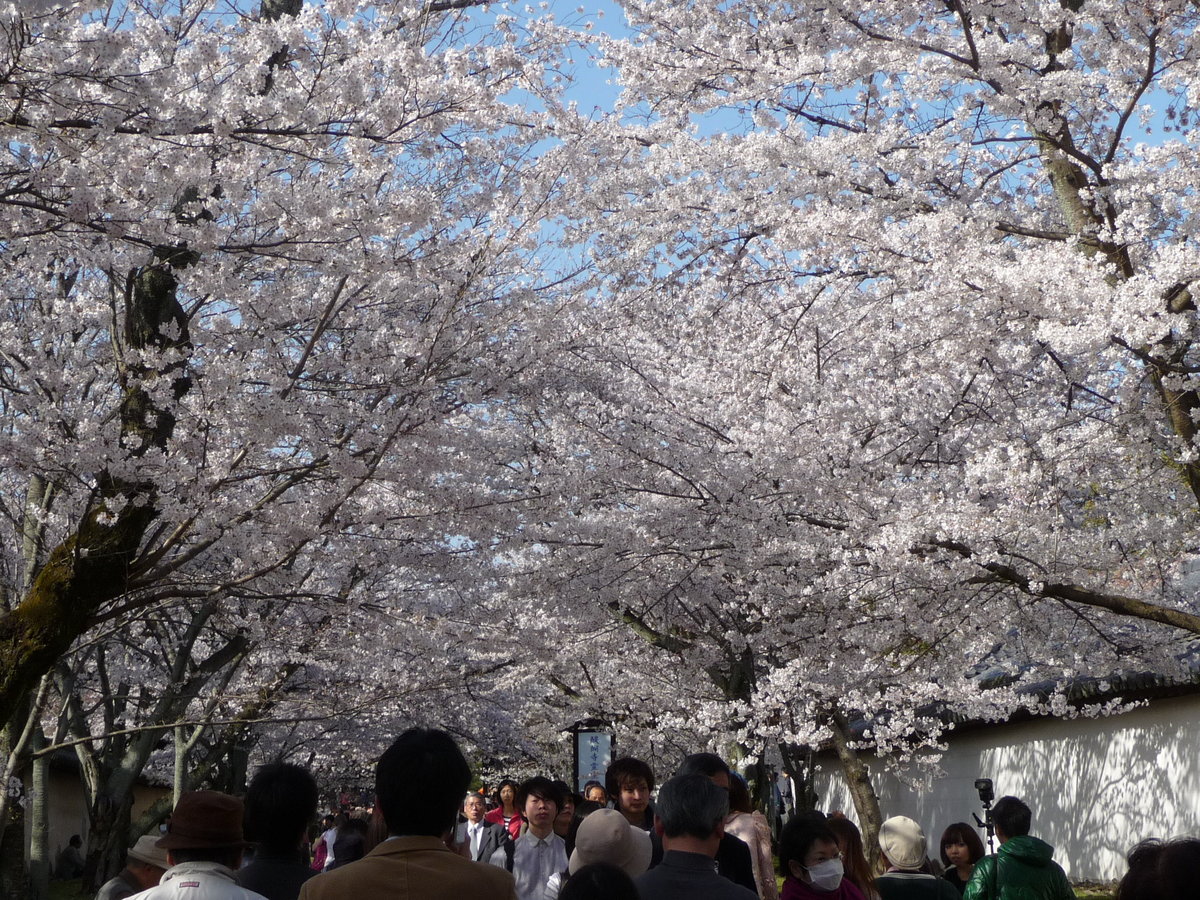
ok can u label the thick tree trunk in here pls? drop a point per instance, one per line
(39, 832)
(14, 878)
(858, 780)
(92, 565)
(108, 836)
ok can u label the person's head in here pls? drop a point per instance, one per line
(595, 792)
(280, 800)
(352, 840)
(328, 821)
(566, 810)
(691, 806)
(902, 841)
(739, 795)
(76, 841)
(808, 852)
(605, 836)
(599, 881)
(538, 800)
(1012, 818)
(961, 845)
(854, 859)
(629, 782)
(147, 862)
(1161, 870)
(205, 826)
(707, 764)
(419, 782)
(474, 807)
(506, 794)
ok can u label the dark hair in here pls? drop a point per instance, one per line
(419, 781)
(1161, 870)
(229, 857)
(962, 833)
(1179, 868)
(75, 841)
(350, 845)
(538, 786)
(707, 764)
(280, 800)
(377, 831)
(505, 782)
(739, 794)
(564, 791)
(691, 805)
(798, 836)
(849, 841)
(626, 769)
(599, 881)
(1012, 817)
(591, 784)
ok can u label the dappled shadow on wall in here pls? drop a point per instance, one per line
(1098, 792)
(1096, 786)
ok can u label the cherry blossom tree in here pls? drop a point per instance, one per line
(847, 359)
(890, 378)
(338, 252)
(268, 278)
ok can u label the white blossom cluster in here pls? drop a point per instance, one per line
(842, 368)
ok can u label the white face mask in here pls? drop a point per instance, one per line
(827, 875)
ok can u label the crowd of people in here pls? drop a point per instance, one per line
(429, 836)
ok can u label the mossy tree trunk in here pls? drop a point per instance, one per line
(93, 564)
(14, 878)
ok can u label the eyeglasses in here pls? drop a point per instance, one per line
(839, 857)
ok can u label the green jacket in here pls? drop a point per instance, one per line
(1027, 872)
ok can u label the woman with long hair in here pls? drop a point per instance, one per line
(811, 862)
(854, 860)
(751, 826)
(961, 849)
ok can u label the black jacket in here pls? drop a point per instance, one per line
(733, 860)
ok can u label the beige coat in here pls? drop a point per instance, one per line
(754, 830)
(411, 868)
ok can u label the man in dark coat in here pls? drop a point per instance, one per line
(484, 838)
(281, 800)
(733, 855)
(690, 820)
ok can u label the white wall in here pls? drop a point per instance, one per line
(1096, 786)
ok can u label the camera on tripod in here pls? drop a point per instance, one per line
(987, 793)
